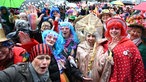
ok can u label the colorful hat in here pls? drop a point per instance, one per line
(85, 25)
(136, 21)
(105, 11)
(72, 17)
(40, 49)
(2, 34)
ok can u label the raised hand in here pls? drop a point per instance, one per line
(33, 17)
(24, 38)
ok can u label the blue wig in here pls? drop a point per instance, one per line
(53, 9)
(58, 46)
(72, 30)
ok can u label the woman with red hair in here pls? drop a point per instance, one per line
(128, 65)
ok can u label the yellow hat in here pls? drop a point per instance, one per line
(2, 34)
(105, 11)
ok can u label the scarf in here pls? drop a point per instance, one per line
(137, 41)
(36, 78)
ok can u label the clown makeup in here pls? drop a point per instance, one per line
(115, 32)
(51, 39)
(135, 33)
(65, 32)
(41, 63)
(90, 38)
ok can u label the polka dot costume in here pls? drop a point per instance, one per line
(128, 66)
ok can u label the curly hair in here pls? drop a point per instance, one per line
(117, 24)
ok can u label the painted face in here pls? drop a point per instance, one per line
(135, 33)
(51, 39)
(41, 63)
(115, 32)
(91, 39)
(105, 17)
(4, 52)
(65, 32)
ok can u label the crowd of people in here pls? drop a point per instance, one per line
(91, 43)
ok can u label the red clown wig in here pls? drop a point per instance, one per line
(117, 23)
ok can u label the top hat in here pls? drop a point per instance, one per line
(2, 34)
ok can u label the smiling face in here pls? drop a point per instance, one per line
(51, 39)
(45, 26)
(91, 39)
(65, 32)
(135, 33)
(115, 32)
(105, 17)
(4, 52)
(41, 63)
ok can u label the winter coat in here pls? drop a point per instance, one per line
(17, 73)
(142, 49)
(54, 70)
(19, 55)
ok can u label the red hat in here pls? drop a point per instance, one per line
(40, 49)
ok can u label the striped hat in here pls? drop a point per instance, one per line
(40, 49)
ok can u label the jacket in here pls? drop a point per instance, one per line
(17, 73)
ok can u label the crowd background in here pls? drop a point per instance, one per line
(85, 39)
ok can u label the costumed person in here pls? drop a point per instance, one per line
(34, 71)
(91, 54)
(55, 17)
(136, 34)
(89, 20)
(70, 36)
(104, 16)
(128, 65)
(66, 67)
(9, 53)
